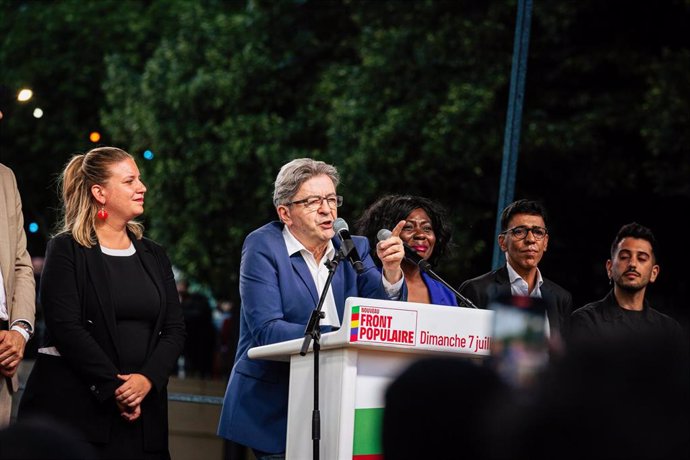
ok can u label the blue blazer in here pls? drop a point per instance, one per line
(439, 294)
(278, 295)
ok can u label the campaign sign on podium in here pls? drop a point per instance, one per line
(378, 340)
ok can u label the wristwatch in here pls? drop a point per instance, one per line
(25, 325)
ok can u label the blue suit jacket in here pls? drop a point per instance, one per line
(278, 295)
(439, 294)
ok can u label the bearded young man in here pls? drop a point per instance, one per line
(625, 311)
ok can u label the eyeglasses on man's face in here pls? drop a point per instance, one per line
(520, 232)
(313, 203)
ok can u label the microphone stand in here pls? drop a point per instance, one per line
(313, 332)
(427, 269)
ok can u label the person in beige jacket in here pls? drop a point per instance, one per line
(17, 291)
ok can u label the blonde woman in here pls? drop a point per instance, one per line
(114, 327)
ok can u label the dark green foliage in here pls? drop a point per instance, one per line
(402, 96)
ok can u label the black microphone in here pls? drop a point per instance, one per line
(349, 249)
(410, 254)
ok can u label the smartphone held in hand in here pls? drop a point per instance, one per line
(519, 346)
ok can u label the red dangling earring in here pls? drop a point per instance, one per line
(102, 213)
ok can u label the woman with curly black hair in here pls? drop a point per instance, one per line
(426, 230)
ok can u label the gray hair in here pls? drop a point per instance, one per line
(293, 174)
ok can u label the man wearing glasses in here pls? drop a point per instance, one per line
(282, 275)
(523, 239)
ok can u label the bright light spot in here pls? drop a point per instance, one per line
(95, 136)
(148, 154)
(33, 227)
(38, 113)
(24, 95)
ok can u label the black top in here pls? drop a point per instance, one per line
(137, 305)
(85, 314)
(606, 320)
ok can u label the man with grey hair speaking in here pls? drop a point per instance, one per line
(282, 274)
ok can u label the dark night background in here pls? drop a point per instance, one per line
(405, 97)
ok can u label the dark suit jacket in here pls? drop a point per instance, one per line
(77, 387)
(489, 286)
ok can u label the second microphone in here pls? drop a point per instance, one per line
(410, 254)
(343, 231)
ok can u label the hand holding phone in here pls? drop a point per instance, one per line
(519, 345)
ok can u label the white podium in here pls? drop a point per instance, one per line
(378, 339)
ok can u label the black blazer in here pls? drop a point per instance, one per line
(559, 302)
(78, 386)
